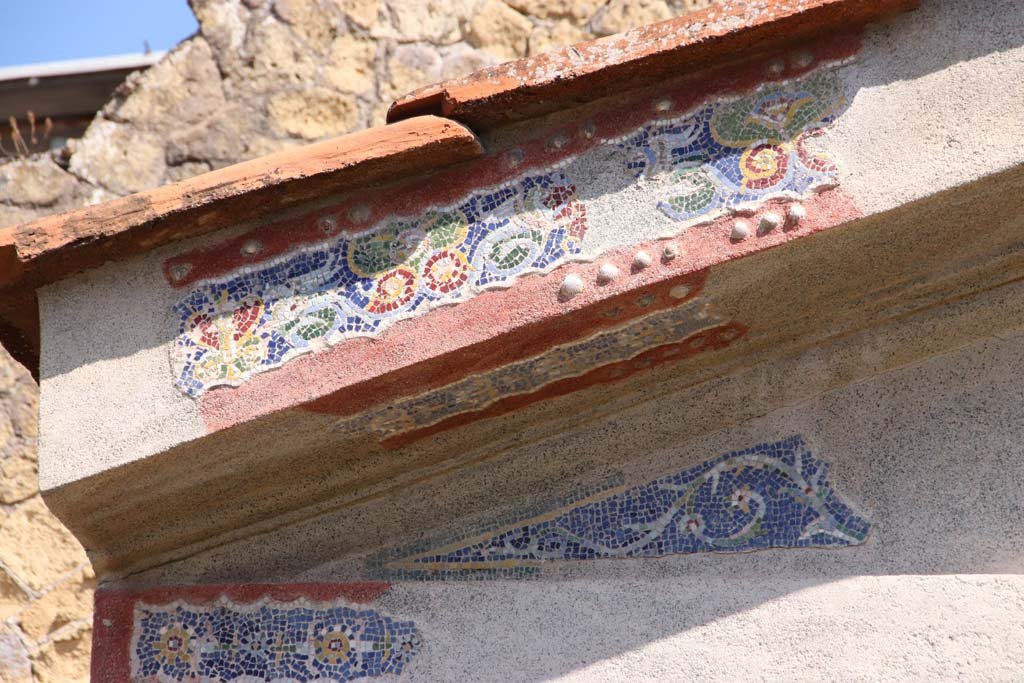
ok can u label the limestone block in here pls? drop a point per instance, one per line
(545, 38)
(279, 56)
(187, 169)
(181, 89)
(314, 113)
(576, 10)
(311, 19)
(35, 546)
(64, 659)
(463, 60)
(12, 600)
(223, 23)
(13, 215)
(37, 182)
(410, 67)
(224, 136)
(434, 21)
(15, 666)
(68, 603)
(622, 15)
(349, 65)
(500, 30)
(362, 13)
(120, 157)
(19, 478)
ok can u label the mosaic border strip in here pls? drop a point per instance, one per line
(565, 361)
(719, 157)
(267, 640)
(773, 495)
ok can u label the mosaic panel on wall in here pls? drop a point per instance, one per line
(774, 495)
(267, 641)
(724, 155)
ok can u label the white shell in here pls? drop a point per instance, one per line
(797, 213)
(770, 221)
(671, 251)
(607, 272)
(740, 230)
(571, 286)
(252, 247)
(679, 292)
(641, 260)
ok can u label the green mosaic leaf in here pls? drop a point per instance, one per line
(697, 188)
(446, 229)
(511, 252)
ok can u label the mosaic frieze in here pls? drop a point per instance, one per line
(722, 156)
(267, 641)
(571, 360)
(358, 286)
(774, 495)
(727, 155)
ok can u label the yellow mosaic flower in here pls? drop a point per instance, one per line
(173, 646)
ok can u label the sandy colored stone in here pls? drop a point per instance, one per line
(363, 13)
(34, 181)
(622, 15)
(15, 666)
(562, 33)
(311, 19)
(67, 603)
(182, 88)
(64, 659)
(19, 479)
(433, 21)
(314, 113)
(120, 157)
(222, 137)
(577, 10)
(13, 215)
(500, 30)
(188, 169)
(223, 24)
(408, 68)
(12, 598)
(349, 65)
(464, 60)
(278, 56)
(36, 547)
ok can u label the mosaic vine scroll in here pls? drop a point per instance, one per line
(774, 495)
(267, 641)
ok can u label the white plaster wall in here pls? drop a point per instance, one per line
(936, 99)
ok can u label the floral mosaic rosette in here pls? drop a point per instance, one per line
(728, 154)
(268, 641)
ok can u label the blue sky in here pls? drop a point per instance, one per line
(53, 30)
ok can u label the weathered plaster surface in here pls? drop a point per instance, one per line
(936, 98)
(102, 407)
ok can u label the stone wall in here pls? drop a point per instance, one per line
(46, 582)
(258, 77)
